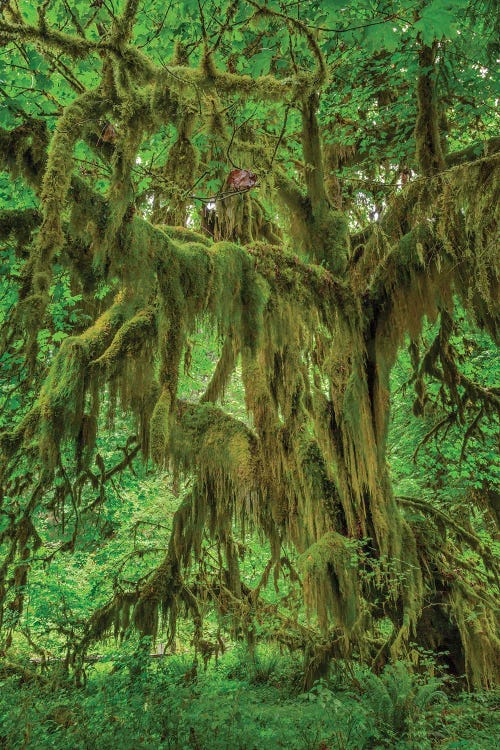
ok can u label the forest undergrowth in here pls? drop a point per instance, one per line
(244, 702)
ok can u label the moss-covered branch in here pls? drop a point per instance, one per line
(68, 44)
(223, 370)
(59, 409)
(57, 178)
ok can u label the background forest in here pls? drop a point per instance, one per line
(249, 387)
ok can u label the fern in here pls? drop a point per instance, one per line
(400, 703)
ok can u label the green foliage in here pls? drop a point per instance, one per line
(206, 430)
(157, 703)
(402, 705)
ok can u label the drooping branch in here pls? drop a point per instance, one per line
(440, 238)
(57, 180)
(73, 46)
(59, 409)
(473, 540)
(223, 370)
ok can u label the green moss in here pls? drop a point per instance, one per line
(160, 428)
(331, 581)
(128, 341)
(478, 628)
(60, 405)
(183, 234)
(218, 447)
(71, 126)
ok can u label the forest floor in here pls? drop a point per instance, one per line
(243, 703)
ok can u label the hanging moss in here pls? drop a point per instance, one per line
(331, 583)
(57, 176)
(177, 174)
(24, 150)
(160, 428)
(218, 447)
(478, 627)
(128, 341)
(59, 410)
(224, 369)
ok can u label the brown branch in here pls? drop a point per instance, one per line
(223, 196)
